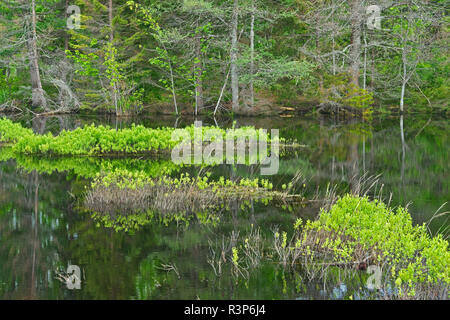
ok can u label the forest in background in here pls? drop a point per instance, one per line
(245, 56)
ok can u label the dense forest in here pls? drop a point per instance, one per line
(124, 130)
(206, 57)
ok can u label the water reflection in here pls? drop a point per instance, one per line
(30, 225)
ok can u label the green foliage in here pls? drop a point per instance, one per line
(113, 72)
(182, 48)
(100, 140)
(358, 98)
(5, 93)
(387, 236)
(208, 198)
(126, 179)
(132, 102)
(92, 140)
(235, 258)
(282, 69)
(86, 63)
(337, 88)
(11, 132)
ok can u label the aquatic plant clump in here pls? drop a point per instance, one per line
(126, 191)
(126, 200)
(102, 140)
(359, 232)
(11, 132)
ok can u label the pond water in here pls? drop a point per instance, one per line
(43, 227)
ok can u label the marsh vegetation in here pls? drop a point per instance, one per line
(338, 208)
(105, 163)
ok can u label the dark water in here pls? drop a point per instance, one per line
(43, 228)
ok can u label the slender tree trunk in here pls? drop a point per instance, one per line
(405, 78)
(111, 40)
(198, 70)
(172, 80)
(234, 49)
(252, 55)
(172, 83)
(356, 40)
(222, 91)
(372, 70)
(365, 63)
(110, 16)
(38, 98)
(66, 39)
(334, 56)
(402, 95)
(8, 75)
(333, 40)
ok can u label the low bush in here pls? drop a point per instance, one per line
(357, 231)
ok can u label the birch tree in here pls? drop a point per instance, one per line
(234, 56)
(356, 28)
(38, 98)
(252, 54)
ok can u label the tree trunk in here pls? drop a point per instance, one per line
(334, 55)
(172, 83)
(66, 39)
(111, 40)
(222, 91)
(198, 70)
(402, 95)
(110, 16)
(405, 77)
(252, 55)
(365, 63)
(372, 70)
(356, 41)
(38, 98)
(234, 49)
(8, 75)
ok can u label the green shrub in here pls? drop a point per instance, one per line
(8, 86)
(100, 140)
(11, 132)
(357, 97)
(356, 225)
